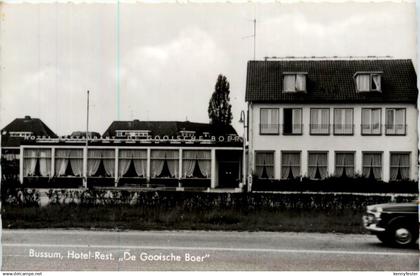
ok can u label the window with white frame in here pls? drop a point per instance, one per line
(196, 164)
(343, 121)
(371, 121)
(372, 165)
(399, 166)
(132, 163)
(37, 162)
(68, 162)
(132, 133)
(269, 121)
(101, 163)
(292, 121)
(368, 82)
(264, 164)
(164, 163)
(344, 164)
(187, 133)
(395, 121)
(317, 165)
(320, 121)
(294, 82)
(290, 165)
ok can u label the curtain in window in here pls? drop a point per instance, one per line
(348, 120)
(61, 161)
(290, 165)
(376, 120)
(317, 164)
(372, 162)
(289, 82)
(344, 164)
(158, 161)
(109, 162)
(325, 119)
(124, 161)
(188, 163)
(363, 82)
(29, 161)
(264, 164)
(94, 159)
(314, 120)
(338, 120)
(297, 119)
(140, 162)
(45, 162)
(191, 157)
(400, 121)
(366, 121)
(300, 82)
(269, 120)
(376, 82)
(76, 161)
(400, 166)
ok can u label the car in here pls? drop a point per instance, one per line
(395, 224)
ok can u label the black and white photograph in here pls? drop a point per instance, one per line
(209, 136)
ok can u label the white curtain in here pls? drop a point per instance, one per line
(140, 162)
(297, 121)
(204, 161)
(372, 161)
(94, 159)
(289, 83)
(269, 121)
(317, 161)
(348, 120)
(45, 162)
(124, 161)
(264, 159)
(300, 82)
(76, 161)
(366, 126)
(400, 121)
(109, 161)
(290, 161)
(376, 82)
(344, 160)
(376, 120)
(188, 163)
(401, 162)
(158, 160)
(314, 120)
(61, 161)
(30, 157)
(363, 82)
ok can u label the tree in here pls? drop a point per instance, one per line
(220, 109)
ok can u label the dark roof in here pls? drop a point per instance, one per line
(34, 125)
(331, 81)
(83, 134)
(169, 128)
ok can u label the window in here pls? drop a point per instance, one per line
(395, 121)
(101, 163)
(294, 82)
(292, 121)
(187, 133)
(20, 133)
(68, 162)
(196, 164)
(132, 163)
(269, 121)
(290, 165)
(320, 121)
(164, 163)
(372, 165)
(37, 162)
(317, 165)
(264, 164)
(371, 121)
(343, 121)
(399, 166)
(344, 164)
(132, 133)
(368, 82)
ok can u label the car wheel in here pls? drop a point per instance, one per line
(402, 235)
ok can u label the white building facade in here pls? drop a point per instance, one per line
(321, 118)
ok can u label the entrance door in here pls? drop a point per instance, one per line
(228, 174)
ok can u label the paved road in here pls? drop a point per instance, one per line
(198, 250)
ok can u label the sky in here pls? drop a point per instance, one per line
(164, 60)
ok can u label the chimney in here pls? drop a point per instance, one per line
(27, 117)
